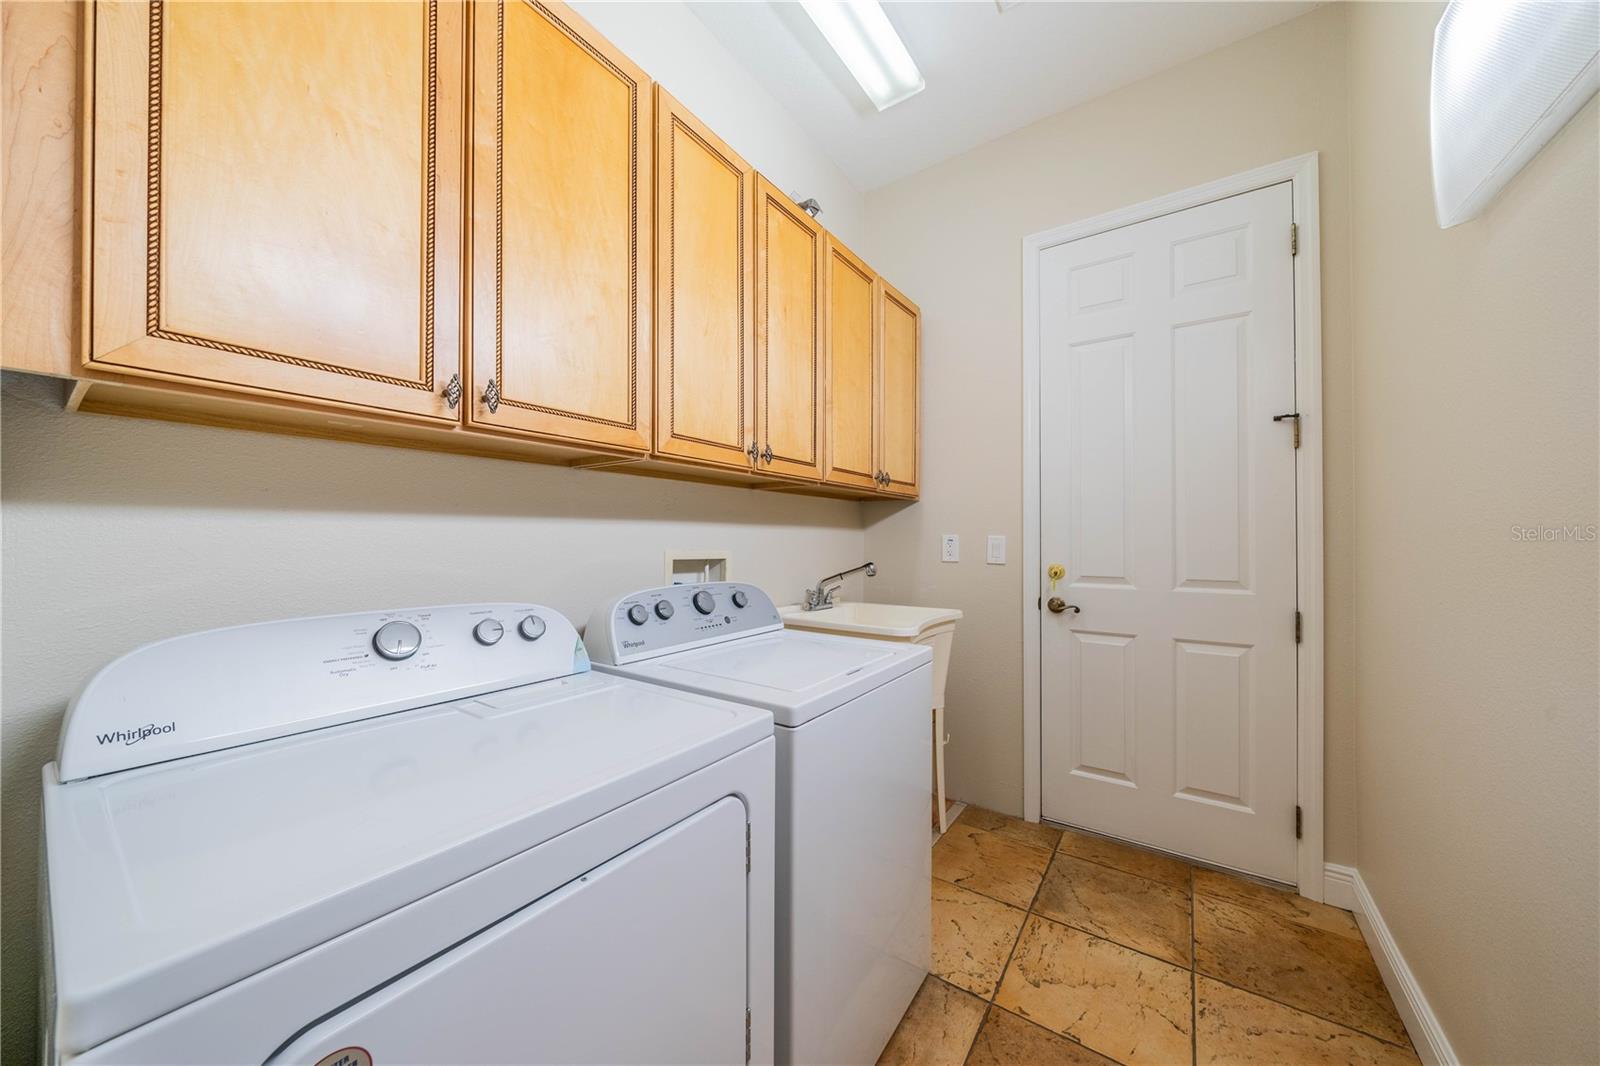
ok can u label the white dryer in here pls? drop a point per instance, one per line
(421, 836)
(854, 806)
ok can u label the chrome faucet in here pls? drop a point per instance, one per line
(821, 597)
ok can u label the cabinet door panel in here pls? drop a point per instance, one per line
(789, 262)
(705, 360)
(276, 198)
(561, 223)
(851, 332)
(901, 324)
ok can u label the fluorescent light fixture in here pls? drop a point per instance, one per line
(1507, 75)
(860, 33)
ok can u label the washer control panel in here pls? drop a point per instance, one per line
(655, 621)
(226, 687)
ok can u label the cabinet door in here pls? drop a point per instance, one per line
(850, 330)
(789, 392)
(277, 199)
(705, 343)
(560, 229)
(900, 439)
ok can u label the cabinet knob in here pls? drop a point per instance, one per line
(452, 391)
(766, 453)
(491, 396)
(754, 452)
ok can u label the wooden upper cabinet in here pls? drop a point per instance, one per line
(850, 331)
(898, 414)
(705, 340)
(276, 199)
(561, 208)
(789, 386)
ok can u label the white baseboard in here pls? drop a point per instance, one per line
(1343, 887)
(1339, 886)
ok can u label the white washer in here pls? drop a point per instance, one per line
(853, 802)
(423, 836)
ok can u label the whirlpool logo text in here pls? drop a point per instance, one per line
(136, 734)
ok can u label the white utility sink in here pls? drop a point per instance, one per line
(885, 621)
(933, 626)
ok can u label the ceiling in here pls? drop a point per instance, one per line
(988, 72)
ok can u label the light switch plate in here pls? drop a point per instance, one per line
(997, 549)
(950, 548)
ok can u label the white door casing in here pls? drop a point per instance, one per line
(1168, 702)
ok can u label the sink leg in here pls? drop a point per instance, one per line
(938, 767)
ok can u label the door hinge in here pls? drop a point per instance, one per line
(1299, 626)
(1294, 238)
(1298, 819)
(747, 847)
(747, 1034)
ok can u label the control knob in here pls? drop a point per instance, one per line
(397, 640)
(663, 610)
(638, 615)
(531, 627)
(703, 602)
(740, 600)
(489, 631)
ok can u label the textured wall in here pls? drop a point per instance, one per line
(1475, 652)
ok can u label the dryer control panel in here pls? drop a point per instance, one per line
(225, 687)
(651, 622)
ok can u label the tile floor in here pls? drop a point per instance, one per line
(1055, 947)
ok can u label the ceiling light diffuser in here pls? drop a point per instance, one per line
(1507, 75)
(861, 34)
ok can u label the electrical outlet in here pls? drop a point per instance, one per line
(950, 548)
(997, 549)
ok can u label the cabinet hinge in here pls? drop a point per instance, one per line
(1299, 626)
(1298, 819)
(747, 847)
(747, 1034)
(1294, 238)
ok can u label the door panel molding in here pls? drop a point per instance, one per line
(144, 209)
(610, 411)
(1301, 173)
(789, 347)
(690, 423)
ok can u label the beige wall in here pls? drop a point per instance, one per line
(1475, 652)
(951, 237)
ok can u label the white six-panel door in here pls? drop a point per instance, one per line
(1168, 699)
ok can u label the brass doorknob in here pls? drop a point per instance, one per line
(1057, 605)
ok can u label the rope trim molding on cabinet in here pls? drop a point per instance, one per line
(543, 11)
(672, 288)
(808, 228)
(835, 258)
(154, 228)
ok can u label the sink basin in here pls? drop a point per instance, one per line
(883, 621)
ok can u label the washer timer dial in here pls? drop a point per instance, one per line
(703, 602)
(397, 640)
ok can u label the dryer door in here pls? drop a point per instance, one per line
(641, 960)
